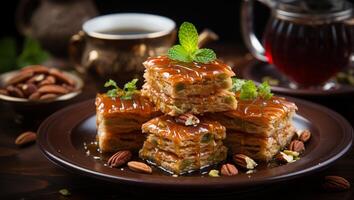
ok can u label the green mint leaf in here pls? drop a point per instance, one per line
(32, 53)
(264, 90)
(237, 84)
(129, 89)
(204, 55)
(248, 91)
(110, 83)
(188, 37)
(188, 50)
(125, 93)
(112, 93)
(177, 52)
(131, 86)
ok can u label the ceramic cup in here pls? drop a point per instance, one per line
(115, 45)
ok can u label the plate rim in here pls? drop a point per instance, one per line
(188, 183)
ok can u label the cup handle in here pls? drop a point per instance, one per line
(251, 41)
(207, 36)
(76, 47)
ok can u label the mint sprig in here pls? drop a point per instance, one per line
(126, 93)
(187, 50)
(249, 91)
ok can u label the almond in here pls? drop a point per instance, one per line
(36, 69)
(61, 76)
(228, 170)
(283, 158)
(188, 119)
(28, 89)
(297, 145)
(14, 91)
(139, 167)
(25, 138)
(244, 161)
(48, 96)
(305, 136)
(4, 92)
(20, 77)
(335, 183)
(34, 96)
(37, 78)
(120, 158)
(53, 89)
(49, 80)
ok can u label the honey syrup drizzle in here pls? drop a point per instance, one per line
(175, 71)
(137, 104)
(265, 110)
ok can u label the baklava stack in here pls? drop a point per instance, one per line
(178, 87)
(179, 90)
(119, 121)
(178, 148)
(259, 128)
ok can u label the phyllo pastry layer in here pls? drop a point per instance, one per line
(258, 147)
(218, 102)
(260, 116)
(178, 148)
(179, 79)
(118, 119)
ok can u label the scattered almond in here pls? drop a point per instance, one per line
(120, 158)
(139, 167)
(335, 183)
(284, 158)
(25, 138)
(228, 170)
(305, 136)
(297, 145)
(244, 161)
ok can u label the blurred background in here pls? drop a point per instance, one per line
(222, 16)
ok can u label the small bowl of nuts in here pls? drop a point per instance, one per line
(38, 87)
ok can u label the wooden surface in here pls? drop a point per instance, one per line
(26, 174)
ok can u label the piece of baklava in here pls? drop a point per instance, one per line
(258, 128)
(178, 148)
(119, 121)
(259, 147)
(261, 117)
(179, 87)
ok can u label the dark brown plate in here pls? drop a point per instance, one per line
(258, 70)
(62, 135)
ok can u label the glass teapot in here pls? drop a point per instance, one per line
(307, 40)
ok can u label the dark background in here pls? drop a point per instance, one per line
(221, 16)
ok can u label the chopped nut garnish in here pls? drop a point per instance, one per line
(214, 173)
(188, 119)
(284, 158)
(244, 161)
